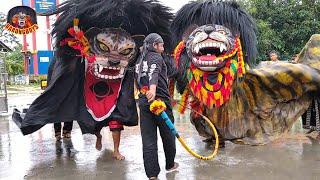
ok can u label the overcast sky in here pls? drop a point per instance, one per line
(6, 5)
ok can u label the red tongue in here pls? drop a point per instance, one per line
(207, 58)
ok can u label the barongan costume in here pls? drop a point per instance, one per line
(310, 55)
(216, 44)
(96, 46)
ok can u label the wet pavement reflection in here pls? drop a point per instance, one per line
(39, 156)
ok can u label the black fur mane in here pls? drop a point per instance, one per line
(137, 17)
(226, 13)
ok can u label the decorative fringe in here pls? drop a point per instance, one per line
(196, 106)
(157, 107)
(171, 87)
(78, 41)
(184, 101)
(177, 52)
(171, 91)
(16, 30)
(241, 63)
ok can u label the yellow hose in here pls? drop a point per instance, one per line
(216, 147)
(158, 107)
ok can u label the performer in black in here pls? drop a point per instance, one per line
(152, 78)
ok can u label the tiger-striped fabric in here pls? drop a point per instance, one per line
(269, 100)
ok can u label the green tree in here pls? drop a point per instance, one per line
(284, 25)
(14, 61)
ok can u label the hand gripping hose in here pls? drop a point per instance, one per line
(158, 107)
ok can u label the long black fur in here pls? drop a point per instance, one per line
(226, 13)
(137, 17)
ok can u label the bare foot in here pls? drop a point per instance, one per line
(318, 137)
(118, 156)
(99, 143)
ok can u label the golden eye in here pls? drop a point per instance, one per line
(126, 51)
(104, 47)
(197, 33)
(222, 32)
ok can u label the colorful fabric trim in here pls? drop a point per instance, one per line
(78, 42)
(177, 52)
(217, 94)
(184, 101)
(157, 107)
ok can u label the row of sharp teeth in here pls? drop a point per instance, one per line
(219, 45)
(99, 68)
(198, 62)
(119, 76)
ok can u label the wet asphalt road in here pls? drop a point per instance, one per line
(38, 156)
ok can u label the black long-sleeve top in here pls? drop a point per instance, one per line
(154, 72)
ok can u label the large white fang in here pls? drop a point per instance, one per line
(221, 49)
(121, 71)
(197, 49)
(100, 68)
(224, 47)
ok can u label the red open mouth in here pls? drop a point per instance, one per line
(205, 54)
(108, 72)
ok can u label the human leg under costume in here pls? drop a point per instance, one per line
(310, 119)
(67, 127)
(115, 127)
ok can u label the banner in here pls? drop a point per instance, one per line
(21, 20)
(43, 6)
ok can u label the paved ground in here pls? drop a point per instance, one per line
(38, 156)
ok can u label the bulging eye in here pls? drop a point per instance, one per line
(126, 51)
(104, 47)
(197, 33)
(222, 32)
